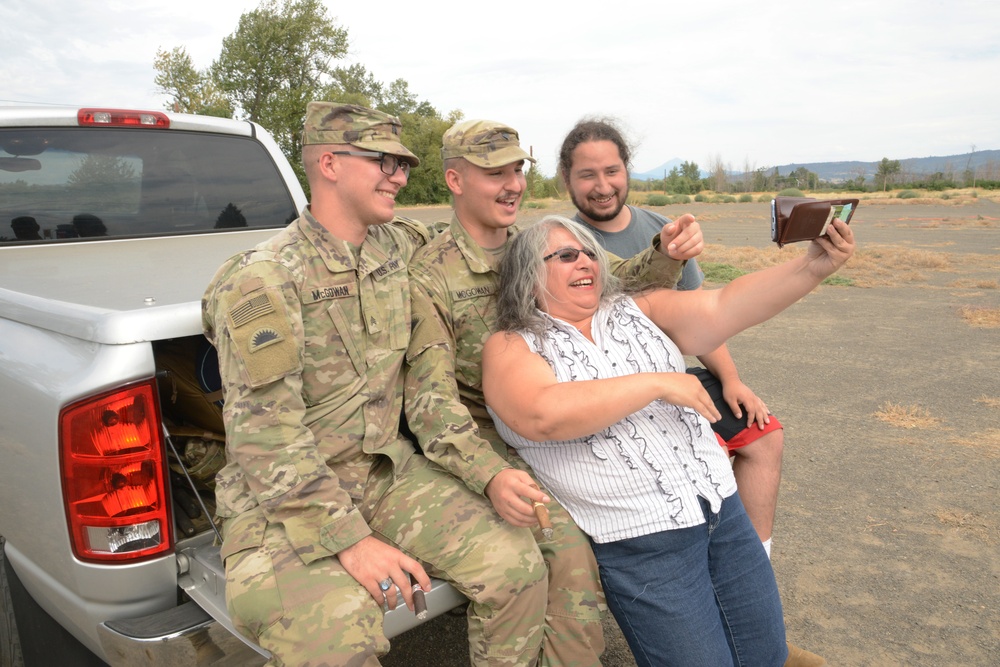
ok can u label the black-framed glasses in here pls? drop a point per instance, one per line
(387, 162)
(568, 255)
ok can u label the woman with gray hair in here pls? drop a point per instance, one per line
(589, 385)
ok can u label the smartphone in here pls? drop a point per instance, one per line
(774, 221)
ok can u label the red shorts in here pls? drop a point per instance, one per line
(749, 434)
(731, 431)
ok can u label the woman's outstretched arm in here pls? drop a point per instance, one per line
(524, 392)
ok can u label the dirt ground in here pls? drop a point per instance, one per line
(887, 539)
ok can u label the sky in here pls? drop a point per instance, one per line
(748, 84)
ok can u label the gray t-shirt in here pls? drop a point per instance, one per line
(637, 236)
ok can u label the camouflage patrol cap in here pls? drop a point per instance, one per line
(367, 129)
(484, 143)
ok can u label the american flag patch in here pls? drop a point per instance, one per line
(250, 310)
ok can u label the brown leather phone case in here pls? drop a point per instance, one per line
(803, 218)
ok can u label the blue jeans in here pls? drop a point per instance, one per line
(696, 596)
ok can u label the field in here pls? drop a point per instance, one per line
(887, 540)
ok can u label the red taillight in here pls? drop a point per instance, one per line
(122, 118)
(114, 475)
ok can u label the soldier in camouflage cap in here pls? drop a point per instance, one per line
(484, 143)
(325, 507)
(456, 272)
(367, 129)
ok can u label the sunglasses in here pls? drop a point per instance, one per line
(388, 163)
(568, 255)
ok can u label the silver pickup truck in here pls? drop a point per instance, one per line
(112, 222)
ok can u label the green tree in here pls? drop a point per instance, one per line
(690, 171)
(886, 170)
(399, 101)
(803, 178)
(678, 182)
(860, 173)
(970, 171)
(534, 183)
(718, 174)
(761, 180)
(278, 59)
(190, 91)
(422, 132)
(538, 186)
(354, 85)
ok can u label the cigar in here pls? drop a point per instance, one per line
(419, 602)
(544, 522)
(542, 514)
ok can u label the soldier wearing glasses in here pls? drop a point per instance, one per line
(326, 508)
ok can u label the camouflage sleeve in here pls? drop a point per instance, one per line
(253, 317)
(418, 233)
(445, 430)
(650, 269)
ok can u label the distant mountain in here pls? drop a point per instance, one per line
(840, 171)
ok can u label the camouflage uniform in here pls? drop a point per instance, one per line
(459, 280)
(311, 335)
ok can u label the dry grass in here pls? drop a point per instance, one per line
(986, 443)
(956, 197)
(896, 257)
(989, 401)
(981, 318)
(901, 416)
(890, 266)
(970, 522)
(871, 266)
(747, 258)
(955, 223)
(976, 261)
(971, 283)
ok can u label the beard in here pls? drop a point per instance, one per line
(584, 207)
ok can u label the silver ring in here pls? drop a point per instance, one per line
(385, 584)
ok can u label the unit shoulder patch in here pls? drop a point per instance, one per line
(267, 350)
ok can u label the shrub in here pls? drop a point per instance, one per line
(535, 204)
(765, 198)
(907, 194)
(680, 199)
(946, 196)
(791, 192)
(657, 200)
(720, 273)
(839, 281)
(746, 197)
(725, 199)
(700, 197)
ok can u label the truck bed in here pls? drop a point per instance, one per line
(109, 291)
